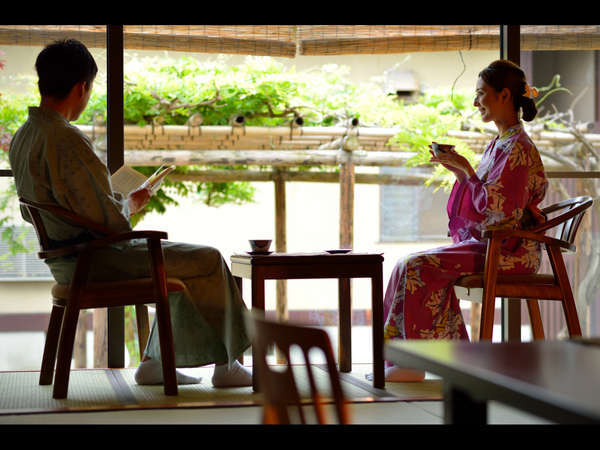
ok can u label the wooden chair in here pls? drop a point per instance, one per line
(278, 386)
(68, 300)
(486, 286)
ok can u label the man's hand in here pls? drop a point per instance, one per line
(138, 199)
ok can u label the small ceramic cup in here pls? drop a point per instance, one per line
(260, 245)
(440, 148)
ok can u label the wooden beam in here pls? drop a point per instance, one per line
(280, 239)
(100, 337)
(114, 101)
(510, 49)
(280, 247)
(115, 159)
(80, 347)
(283, 158)
(347, 178)
(347, 182)
(510, 43)
(222, 176)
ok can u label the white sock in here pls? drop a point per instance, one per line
(237, 376)
(150, 372)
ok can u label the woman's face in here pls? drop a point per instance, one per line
(488, 101)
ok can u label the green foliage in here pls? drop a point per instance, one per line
(170, 91)
(262, 89)
(430, 120)
(13, 112)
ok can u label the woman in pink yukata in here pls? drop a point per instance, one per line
(504, 192)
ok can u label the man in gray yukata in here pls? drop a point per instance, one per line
(53, 162)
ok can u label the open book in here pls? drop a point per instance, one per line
(127, 179)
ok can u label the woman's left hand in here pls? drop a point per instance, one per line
(457, 164)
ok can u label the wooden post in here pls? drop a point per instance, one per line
(80, 348)
(280, 247)
(346, 199)
(115, 159)
(511, 319)
(510, 49)
(346, 241)
(475, 320)
(100, 337)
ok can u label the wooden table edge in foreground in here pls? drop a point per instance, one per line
(554, 380)
(285, 266)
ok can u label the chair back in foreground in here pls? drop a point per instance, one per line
(81, 293)
(485, 287)
(282, 400)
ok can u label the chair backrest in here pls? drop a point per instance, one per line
(35, 212)
(568, 221)
(38, 224)
(278, 385)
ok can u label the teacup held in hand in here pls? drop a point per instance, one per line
(440, 148)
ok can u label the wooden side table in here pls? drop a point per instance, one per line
(283, 266)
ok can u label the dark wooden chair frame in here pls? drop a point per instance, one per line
(68, 300)
(534, 287)
(278, 387)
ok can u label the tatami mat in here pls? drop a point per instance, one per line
(113, 389)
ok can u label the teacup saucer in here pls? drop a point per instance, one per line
(259, 253)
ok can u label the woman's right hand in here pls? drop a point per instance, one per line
(455, 163)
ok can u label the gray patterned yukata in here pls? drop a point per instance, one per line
(54, 162)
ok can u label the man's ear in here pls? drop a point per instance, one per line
(80, 88)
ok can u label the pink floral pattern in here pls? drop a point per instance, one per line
(505, 191)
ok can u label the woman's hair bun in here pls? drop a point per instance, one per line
(502, 74)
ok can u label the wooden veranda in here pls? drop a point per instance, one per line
(272, 154)
(287, 41)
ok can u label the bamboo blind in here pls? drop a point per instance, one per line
(293, 40)
(93, 36)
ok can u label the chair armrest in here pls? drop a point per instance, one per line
(102, 242)
(539, 237)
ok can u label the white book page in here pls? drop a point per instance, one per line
(126, 180)
(156, 179)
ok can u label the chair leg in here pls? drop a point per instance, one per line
(570, 311)
(537, 328)
(568, 302)
(51, 345)
(163, 316)
(65, 352)
(167, 352)
(489, 290)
